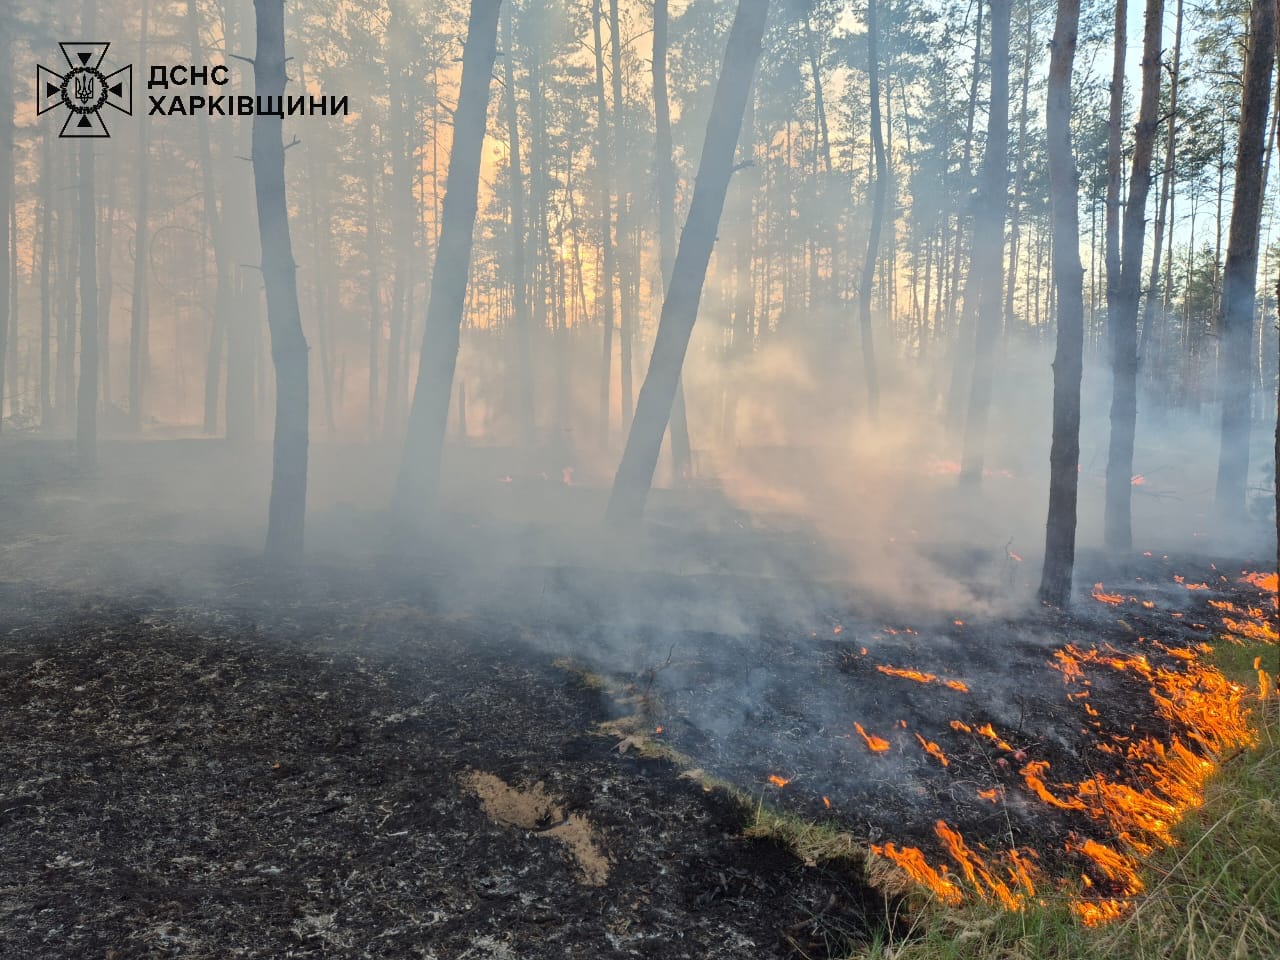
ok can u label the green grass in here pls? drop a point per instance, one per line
(1213, 896)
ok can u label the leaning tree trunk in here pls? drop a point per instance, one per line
(681, 454)
(877, 217)
(1068, 276)
(988, 247)
(1239, 281)
(680, 307)
(419, 476)
(287, 512)
(1117, 517)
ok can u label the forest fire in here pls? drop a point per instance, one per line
(1139, 788)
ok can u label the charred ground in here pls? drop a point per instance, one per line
(201, 759)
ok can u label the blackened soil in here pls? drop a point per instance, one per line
(180, 782)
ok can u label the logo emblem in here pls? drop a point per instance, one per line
(84, 90)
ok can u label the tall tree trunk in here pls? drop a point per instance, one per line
(604, 173)
(217, 236)
(1166, 191)
(419, 476)
(1068, 276)
(1115, 143)
(6, 197)
(522, 355)
(402, 213)
(1239, 284)
(680, 307)
(879, 196)
(966, 168)
(664, 165)
(46, 307)
(1117, 524)
(138, 312)
(1015, 209)
(988, 247)
(287, 512)
(626, 261)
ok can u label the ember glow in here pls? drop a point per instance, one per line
(778, 781)
(1101, 596)
(933, 750)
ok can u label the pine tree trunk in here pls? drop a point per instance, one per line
(6, 198)
(138, 313)
(880, 194)
(522, 355)
(287, 511)
(1115, 142)
(1239, 283)
(1117, 524)
(87, 390)
(46, 307)
(604, 172)
(1166, 191)
(419, 476)
(688, 273)
(988, 247)
(1068, 277)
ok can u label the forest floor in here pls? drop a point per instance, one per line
(396, 758)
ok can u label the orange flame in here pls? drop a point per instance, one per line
(778, 781)
(1098, 594)
(933, 750)
(921, 677)
(874, 744)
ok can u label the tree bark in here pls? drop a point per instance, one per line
(287, 512)
(1117, 523)
(879, 196)
(419, 476)
(988, 247)
(1239, 282)
(1068, 276)
(680, 307)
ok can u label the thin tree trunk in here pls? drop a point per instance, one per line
(1068, 276)
(988, 247)
(287, 512)
(625, 260)
(879, 197)
(138, 312)
(1115, 122)
(419, 476)
(1015, 209)
(1239, 284)
(46, 308)
(1117, 523)
(1166, 190)
(604, 173)
(6, 198)
(680, 307)
(664, 164)
(522, 356)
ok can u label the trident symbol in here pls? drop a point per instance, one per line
(84, 87)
